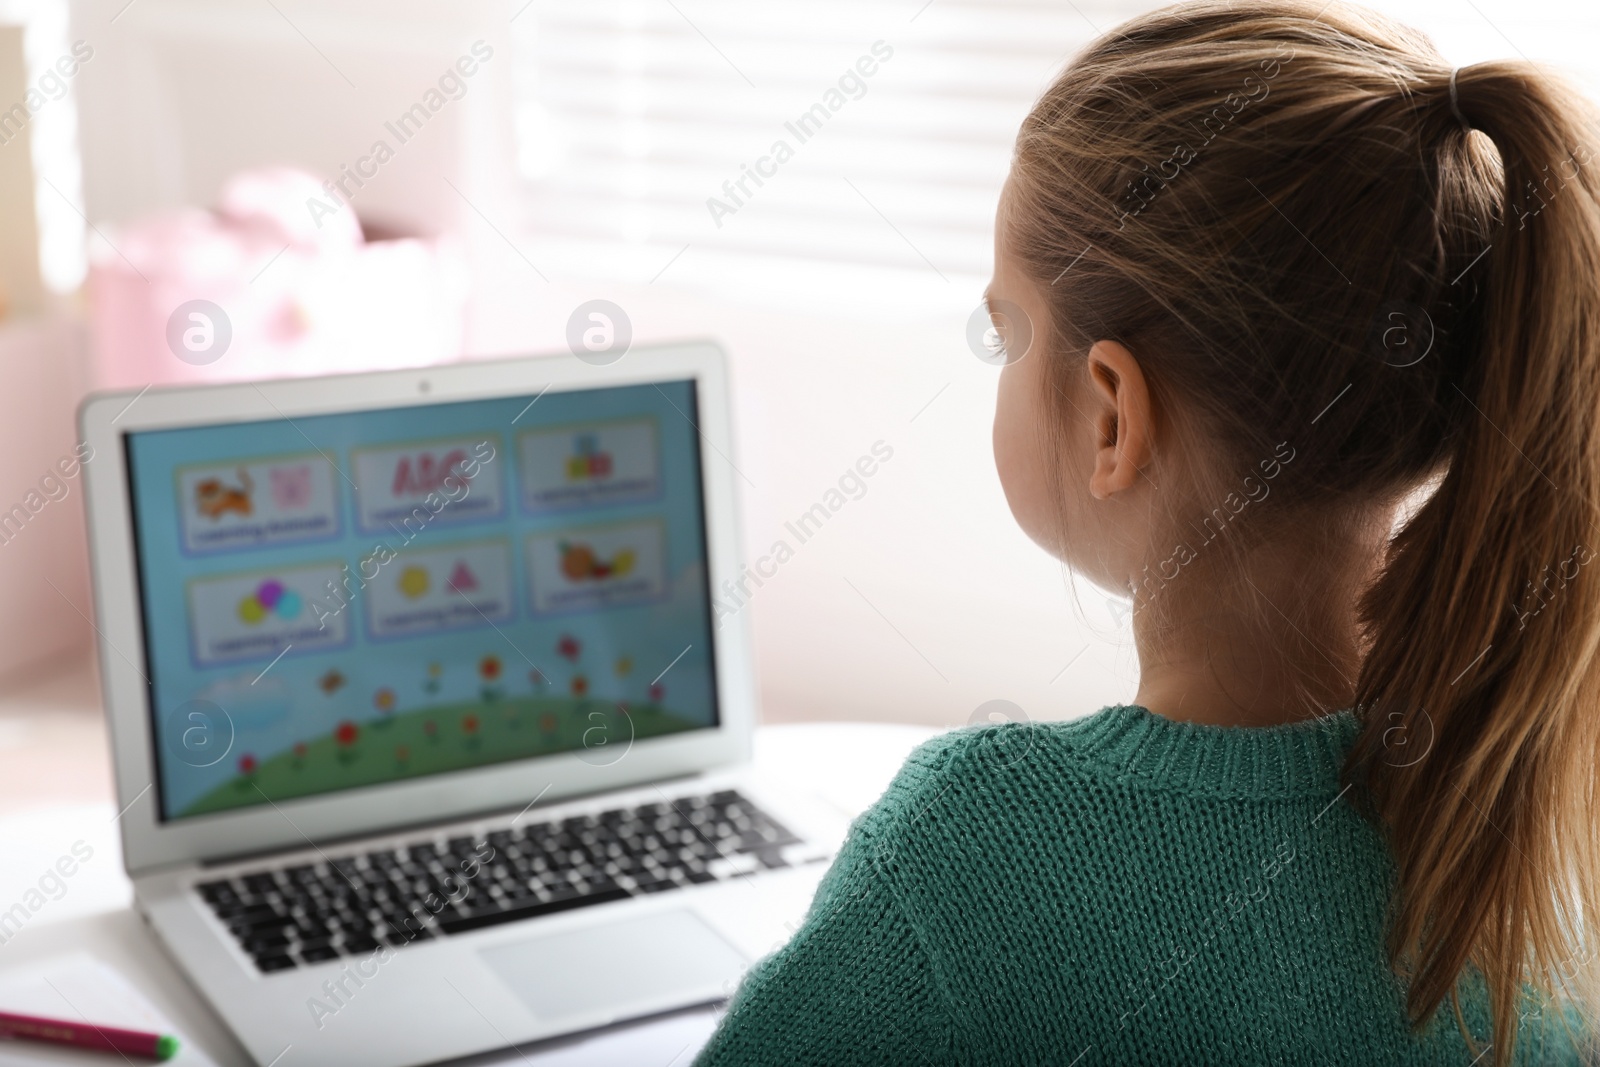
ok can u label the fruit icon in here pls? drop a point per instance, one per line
(580, 562)
(577, 561)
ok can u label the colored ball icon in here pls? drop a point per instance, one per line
(270, 597)
(414, 581)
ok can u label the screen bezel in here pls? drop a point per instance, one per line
(150, 843)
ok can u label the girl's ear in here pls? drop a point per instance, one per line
(1120, 410)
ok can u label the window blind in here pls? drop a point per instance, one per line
(667, 124)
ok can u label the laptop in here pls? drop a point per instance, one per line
(430, 737)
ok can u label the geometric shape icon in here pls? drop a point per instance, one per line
(462, 578)
(414, 581)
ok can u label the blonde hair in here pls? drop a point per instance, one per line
(1254, 198)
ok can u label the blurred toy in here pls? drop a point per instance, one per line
(280, 291)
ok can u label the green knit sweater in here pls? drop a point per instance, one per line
(1123, 889)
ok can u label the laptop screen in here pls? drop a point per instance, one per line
(346, 600)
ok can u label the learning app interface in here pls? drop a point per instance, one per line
(347, 600)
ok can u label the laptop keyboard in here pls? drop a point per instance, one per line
(285, 917)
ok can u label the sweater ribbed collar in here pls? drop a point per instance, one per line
(1293, 760)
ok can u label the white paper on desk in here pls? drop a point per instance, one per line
(79, 987)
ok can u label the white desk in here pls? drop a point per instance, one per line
(845, 765)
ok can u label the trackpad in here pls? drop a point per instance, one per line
(646, 963)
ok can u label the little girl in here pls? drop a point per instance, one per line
(1303, 338)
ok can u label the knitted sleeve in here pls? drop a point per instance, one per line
(855, 984)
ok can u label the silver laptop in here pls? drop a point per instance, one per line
(430, 736)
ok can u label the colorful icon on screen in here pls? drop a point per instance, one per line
(462, 580)
(587, 461)
(291, 487)
(270, 597)
(414, 582)
(580, 562)
(425, 472)
(214, 498)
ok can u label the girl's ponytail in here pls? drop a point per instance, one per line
(1481, 692)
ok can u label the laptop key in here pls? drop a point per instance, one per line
(266, 942)
(278, 962)
(217, 892)
(527, 911)
(656, 886)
